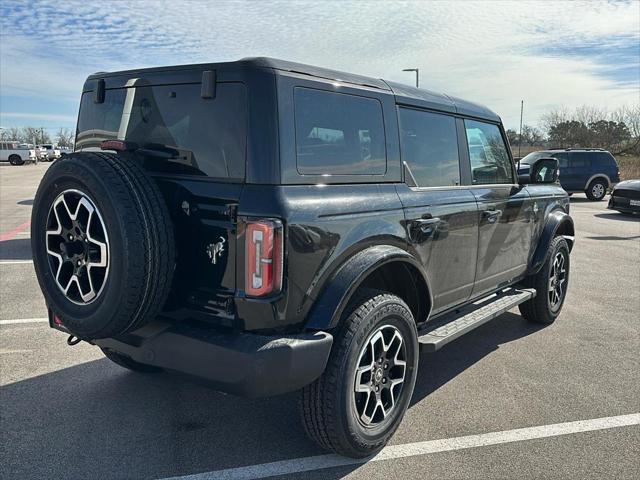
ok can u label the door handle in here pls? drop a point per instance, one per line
(492, 216)
(426, 226)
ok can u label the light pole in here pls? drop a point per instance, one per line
(417, 74)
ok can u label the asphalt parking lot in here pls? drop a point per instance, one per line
(70, 413)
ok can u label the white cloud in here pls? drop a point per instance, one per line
(495, 53)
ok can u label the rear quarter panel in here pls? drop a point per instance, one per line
(324, 226)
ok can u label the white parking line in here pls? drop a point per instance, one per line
(14, 262)
(307, 464)
(19, 321)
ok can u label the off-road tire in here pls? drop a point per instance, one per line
(140, 234)
(129, 363)
(16, 160)
(327, 413)
(538, 309)
(590, 193)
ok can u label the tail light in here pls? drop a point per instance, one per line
(264, 257)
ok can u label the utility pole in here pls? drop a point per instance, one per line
(417, 74)
(520, 136)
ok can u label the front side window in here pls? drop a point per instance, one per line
(563, 159)
(338, 134)
(490, 161)
(181, 132)
(429, 145)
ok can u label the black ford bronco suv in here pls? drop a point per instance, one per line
(268, 227)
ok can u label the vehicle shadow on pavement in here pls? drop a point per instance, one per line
(25, 202)
(618, 216)
(97, 420)
(436, 369)
(16, 249)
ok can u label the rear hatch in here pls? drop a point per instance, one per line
(194, 147)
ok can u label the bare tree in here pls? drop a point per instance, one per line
(35, 135)
(13, 134)
(64, 137)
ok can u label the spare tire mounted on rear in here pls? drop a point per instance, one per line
(102, 243)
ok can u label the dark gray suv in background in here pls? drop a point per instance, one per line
(267, 226)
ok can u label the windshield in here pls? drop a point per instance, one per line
(196, 136)
(532, 157)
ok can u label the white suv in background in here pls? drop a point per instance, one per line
(16, 154)
(52, 152)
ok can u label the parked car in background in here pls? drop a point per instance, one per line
(589, 170)
(53, 152)
(16, 154)
(625, 197)
(43, 153)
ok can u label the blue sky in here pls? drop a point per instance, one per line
(550, 54)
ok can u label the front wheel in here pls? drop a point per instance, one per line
(551, 284)
(355, 407)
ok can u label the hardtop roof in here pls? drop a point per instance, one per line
(405, 94)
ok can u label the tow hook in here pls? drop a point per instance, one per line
(73, 340)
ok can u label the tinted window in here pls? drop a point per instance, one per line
(563, 159)
(192, 135)
(429, 145)
(578, 160)
(338, 134)
(488, 154)
(601, 159)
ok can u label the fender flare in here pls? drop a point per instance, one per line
(557, 221)
(598, 175)
(334, 298)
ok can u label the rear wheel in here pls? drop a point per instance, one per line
(128, 363)
(16, 160)
(551, 284)
(597, 189)
(354, 408)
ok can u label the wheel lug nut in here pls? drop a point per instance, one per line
(386, 365)
(377, 388)
(384, 380)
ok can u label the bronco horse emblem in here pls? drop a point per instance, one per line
(215, 250)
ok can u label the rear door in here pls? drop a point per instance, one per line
(506, 211)
(441, 215)
(577, 173)
(195, 149)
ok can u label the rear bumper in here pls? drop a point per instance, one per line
(240, 363)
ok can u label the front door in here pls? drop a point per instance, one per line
(441, 215)
(506, 212)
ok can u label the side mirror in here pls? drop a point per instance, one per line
(544, 170)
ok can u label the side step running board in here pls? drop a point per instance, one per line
(457, 323)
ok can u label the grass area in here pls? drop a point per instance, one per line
(629, 166)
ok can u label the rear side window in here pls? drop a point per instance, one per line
(429, 145)
(490, 161)
(601, 159)
(338, 134)
(579, 160)
(189, 134)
